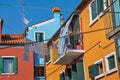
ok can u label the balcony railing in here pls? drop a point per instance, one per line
(73, 50)
(112, 20)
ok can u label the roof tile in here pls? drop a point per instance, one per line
(12, 39)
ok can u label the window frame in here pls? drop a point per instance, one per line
(39, 32)
(108, 71)
(63, 72)
(8, 64)
(98, 15)
(102, 74)
(7, 57)
(40, 75)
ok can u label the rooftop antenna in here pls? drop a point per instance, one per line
(24, 19)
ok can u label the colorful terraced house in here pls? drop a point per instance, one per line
(12, 65)
(84, 47)
(41, 32)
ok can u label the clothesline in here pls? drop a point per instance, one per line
(56, 38)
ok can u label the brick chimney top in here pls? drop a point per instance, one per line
(56, 9)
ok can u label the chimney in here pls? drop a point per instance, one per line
(56, 10)
(1, 22)
(57, 16)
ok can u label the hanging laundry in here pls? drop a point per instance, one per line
(42, 50)
(27, 49)
(63, 37)
(38, 48)
(54, 44)
(45, 48)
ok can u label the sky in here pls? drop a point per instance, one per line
(34, 10)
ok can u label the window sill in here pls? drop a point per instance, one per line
(101, 14)
(39, 77)
(92, 22)
(47, 63)
(7, 73)
(111, 71)
(99, 76)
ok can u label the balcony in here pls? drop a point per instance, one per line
(69, 57)
(73, 50)
(115, 33)
(112, 20)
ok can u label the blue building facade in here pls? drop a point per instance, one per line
(42, 32)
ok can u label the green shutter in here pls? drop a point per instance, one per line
(111, 61)
(74, 72)
(93, 70)
(68, 74)
(41, 37)
(47, 57)
(1, 64)
(62, 77)
(80, 70)
(15, 65)
(37, 37)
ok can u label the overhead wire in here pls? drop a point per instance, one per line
(22, 4)
(44, 8)
(31, 7)
(87, 32)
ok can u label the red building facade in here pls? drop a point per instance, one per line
(12, 65)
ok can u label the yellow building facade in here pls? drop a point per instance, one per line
(95, 56)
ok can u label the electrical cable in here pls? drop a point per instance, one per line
(87, 32)
(43, 8)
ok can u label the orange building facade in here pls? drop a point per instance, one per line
(95, 56)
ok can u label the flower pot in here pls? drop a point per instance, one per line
(79, 47)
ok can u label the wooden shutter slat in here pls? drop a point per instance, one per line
(1, 64)
(15, 65)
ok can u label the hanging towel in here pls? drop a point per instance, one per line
(39, 49)
(63, 37)
(53, 44)
(27, 49)
(45, 48)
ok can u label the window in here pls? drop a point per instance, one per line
(62, 75)
(39, 36)
(74, 28)
(100, 68)
(47, 56)
(68, 74)
(93, 70)
(100, 65)
(110, 62)
(80, 70)
(96, 70)
(8, 65)
(74, 72)
(96, 8)
(39, 71)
